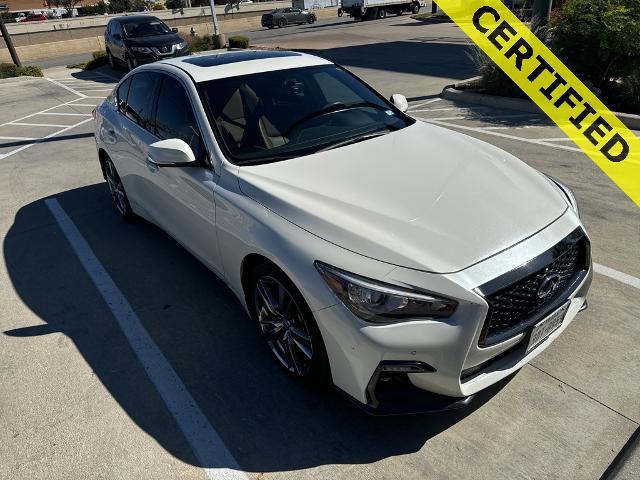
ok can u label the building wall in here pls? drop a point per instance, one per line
(17, 5)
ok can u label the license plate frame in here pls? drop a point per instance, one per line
(546, 327)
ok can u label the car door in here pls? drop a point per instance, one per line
(116, 40)
(298, 15)
(136, 124)
(182, 201)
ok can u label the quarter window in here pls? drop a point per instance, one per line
(140, 99)
(123, 90)
(175, 117)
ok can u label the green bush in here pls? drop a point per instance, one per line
(494, 80)
(599, 40)
(9, 70)
(158, 6)
(238, 41)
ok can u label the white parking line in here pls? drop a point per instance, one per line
(434, 110)
(16, 138)
(39, 140)
(204, 440)
(23, 124)
(66, 114)
(433, 100)
(62, 85)
(617, 275)
(502, 135)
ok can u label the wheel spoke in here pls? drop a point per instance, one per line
(293, 355)
(302, 341)
(266, 297)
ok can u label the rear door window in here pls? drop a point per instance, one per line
(141, 98)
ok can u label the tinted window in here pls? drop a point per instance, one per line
(145, 27)
(140, 98)
(289, 113)
(123, 90)
(175, 117)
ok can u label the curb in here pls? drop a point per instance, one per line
(450, 93)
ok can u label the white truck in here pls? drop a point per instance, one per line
(370, 9)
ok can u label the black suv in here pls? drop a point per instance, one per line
(138, 39)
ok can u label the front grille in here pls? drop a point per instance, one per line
(518, 304)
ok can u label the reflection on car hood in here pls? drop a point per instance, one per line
(422, 197)
(154, 40)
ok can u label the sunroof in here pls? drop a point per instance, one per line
(234, 57)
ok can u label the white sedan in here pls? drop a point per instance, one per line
(408, 265)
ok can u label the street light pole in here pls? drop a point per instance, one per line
(9, 42)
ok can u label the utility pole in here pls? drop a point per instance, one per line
(9, 42)
(216, 31)
(541, 12)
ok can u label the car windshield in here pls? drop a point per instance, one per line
(283, 114)
(145, 28)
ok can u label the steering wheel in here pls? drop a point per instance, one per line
(332, 107)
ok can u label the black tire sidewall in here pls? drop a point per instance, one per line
(319, 374)
(128, 214)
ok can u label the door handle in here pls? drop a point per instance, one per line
(151, 165)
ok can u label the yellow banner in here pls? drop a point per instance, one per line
(552, 86)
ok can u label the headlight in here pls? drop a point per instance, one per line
(382, 303)
(141, 49)
(571, 198)
(181, 45)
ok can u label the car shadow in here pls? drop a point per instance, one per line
(267, 421)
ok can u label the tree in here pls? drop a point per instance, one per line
(541, 11)
(68, 5)
(119, 6)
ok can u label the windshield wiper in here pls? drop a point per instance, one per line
(360, 138)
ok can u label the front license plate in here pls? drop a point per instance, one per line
(546, 327)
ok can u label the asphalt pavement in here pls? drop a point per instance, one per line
(82, 397)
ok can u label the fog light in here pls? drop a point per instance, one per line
(400, 366)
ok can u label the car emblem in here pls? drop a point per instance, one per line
(165, 49)
(548, 285)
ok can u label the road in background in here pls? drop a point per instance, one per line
(77, 401)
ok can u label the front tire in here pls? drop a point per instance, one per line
(287, 325)
(311, 20)
(281, 23)
(131, 64)
(116, 189)
(382, 13)
(415, 8)
(112, 61)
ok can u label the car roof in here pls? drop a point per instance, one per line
(241, 62)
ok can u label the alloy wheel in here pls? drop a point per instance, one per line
(116, 188)
(283, 326)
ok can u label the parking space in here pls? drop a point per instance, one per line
(121, 356)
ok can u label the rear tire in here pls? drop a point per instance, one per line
(281, 23)
(415, 8)
(311, 20)
(382, 13)
(287, 325)
(116, 189)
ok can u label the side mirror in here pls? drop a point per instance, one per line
(174, 30)
(400, 102)
(171, 153)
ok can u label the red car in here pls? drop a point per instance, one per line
(35, 18)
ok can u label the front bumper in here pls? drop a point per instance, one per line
(142, 58)
(460, 366)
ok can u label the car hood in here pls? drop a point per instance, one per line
(423, 197)
(154, 40)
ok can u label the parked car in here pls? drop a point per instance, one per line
(139, 39)
(281, 17)
(35, 18)
(409, 265)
